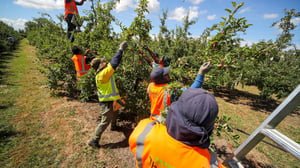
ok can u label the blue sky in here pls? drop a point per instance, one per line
(260, 13)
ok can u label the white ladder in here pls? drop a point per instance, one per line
(267, 128)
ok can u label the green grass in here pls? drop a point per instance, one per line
(23, 140)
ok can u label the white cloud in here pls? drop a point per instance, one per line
(123, 5)
(248, 43)
(195, 2)
(18, 24)
(41, 4)
(211, 17)
(193, 12)
(153, 6)
(296, 21)
(180, 12)
(245, 10)
(203, 12)
(270, 16)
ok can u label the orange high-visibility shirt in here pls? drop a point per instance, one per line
(80, 64)
(159, 97)
(152, 146)
(70, 8)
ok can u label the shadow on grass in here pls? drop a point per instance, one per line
(256, 102)
(5, 58)
(6, 131)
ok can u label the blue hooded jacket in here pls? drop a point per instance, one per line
(190, 120)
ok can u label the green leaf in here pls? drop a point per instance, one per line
(233, 4)
(228, 10)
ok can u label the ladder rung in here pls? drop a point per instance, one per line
(285, 142)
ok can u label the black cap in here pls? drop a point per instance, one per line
(157, 75)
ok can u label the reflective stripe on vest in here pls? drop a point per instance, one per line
(114, 92)
(165, 98)
(214, 163)
(159, 98)
(82, 65)
(72, 10)
(140, 142)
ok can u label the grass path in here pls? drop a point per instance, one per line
(26, 144)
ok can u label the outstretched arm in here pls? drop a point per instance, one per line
(146, 58)
(153, 55)
(79, 3)
(115, 61)
(205, 68)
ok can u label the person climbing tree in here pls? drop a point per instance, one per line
(72, 17)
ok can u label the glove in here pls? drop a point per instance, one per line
(123, 45)
(205, 68)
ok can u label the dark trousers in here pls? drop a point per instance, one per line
(71, 27)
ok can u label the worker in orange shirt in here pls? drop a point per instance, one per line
(71, 12)
(184, 140)
(158, 92)
(81, 62)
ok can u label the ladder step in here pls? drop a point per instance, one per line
(285, 142)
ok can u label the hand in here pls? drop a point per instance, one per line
(87, 52)
(205, 68)
(145, 47)
(123, 45)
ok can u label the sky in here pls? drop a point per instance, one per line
(260, 13)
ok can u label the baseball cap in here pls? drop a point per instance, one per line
(157, 75)
(98, 64)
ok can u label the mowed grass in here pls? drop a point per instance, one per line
(24, 142)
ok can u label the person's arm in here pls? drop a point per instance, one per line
(198, 81)
(153, 55)
(205, 68)
(88, 59)
(115, 61)
(146, 58)
(80, 3)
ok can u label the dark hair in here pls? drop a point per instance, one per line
(156, 54)
(76, 50)
(166, 60)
